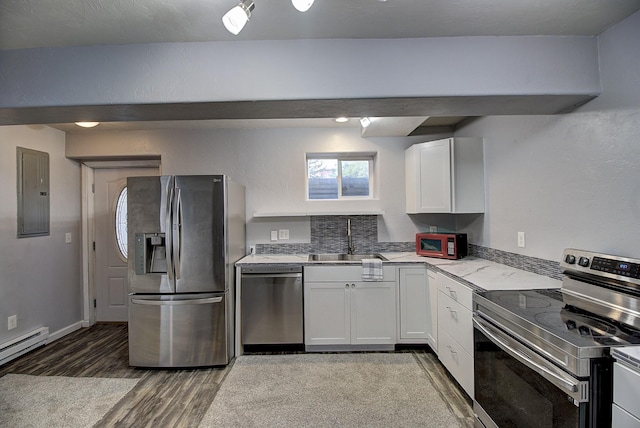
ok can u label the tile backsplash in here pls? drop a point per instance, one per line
(329, 235)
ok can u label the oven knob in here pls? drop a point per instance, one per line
(570, 258)
(584, 262)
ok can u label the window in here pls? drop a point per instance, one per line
(121, 222)
(340, 176)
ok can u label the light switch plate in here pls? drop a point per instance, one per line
(521, 242)
(67, 238)
(12, 322)
(283, 234)
(274, 235)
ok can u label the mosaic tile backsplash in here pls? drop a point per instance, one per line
(329, 235)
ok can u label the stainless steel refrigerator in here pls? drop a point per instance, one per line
(184, 233)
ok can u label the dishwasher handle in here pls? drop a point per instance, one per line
(271, 275)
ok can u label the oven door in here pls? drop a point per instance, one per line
(516, 387)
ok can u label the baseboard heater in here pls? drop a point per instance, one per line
(23, 344)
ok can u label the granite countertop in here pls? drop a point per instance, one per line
(479, 274)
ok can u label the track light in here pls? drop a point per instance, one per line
(302, 5)
(237, 17)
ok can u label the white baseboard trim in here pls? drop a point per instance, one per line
(86, 323)
(64, 331)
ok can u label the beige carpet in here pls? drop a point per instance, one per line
(54, 401)
(337, 390)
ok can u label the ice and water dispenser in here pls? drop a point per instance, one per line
(150, 253)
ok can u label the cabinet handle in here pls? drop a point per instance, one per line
(453, 294)
(346, 285)
(353, 286)
(451, 349)
(452, 312)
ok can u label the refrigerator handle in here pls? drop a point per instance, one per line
(205, 301)
(177, 242)
(168, 232)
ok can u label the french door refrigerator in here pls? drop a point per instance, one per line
(184, 234)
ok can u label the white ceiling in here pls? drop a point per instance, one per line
(53, 23)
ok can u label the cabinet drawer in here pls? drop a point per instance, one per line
(626, 389)
(623, 419)
(456, 320)
(458, 361)
(352, 273)
(458, 292)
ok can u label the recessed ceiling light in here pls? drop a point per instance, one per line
(341, 119)
(87, 124)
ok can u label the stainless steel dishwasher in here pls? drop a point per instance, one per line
(271, 302)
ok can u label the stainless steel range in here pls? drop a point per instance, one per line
(542, 357)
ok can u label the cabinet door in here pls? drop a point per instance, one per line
(327, 313)
(373, 313)
(435, 176)
(415, 320)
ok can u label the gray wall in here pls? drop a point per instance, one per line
(568, 180)
(40, 277)
(271, 164)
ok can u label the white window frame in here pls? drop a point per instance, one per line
(119, 251)
(343, 156)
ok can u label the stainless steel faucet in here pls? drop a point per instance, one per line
(352, 248)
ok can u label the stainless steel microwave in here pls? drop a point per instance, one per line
(442, 245)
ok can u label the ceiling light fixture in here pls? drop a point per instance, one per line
(87, 124)
(341, 119)
(237, 17)
(302, 5)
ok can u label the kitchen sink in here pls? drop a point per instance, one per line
(343, 257)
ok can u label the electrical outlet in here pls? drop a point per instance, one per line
(283, 234)
(67, 238)
(12, 322)
(521, 239)
(274, 235)
(252, 250)
(433, 229)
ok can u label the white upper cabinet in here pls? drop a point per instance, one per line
(445, 176)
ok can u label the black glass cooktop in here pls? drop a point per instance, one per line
(547, 310)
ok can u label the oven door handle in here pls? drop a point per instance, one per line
(573, 386)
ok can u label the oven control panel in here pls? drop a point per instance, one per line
(616, 267)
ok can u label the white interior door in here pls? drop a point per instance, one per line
(110, 254)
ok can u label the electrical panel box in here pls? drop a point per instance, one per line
(33, 192)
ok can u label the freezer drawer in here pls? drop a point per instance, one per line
(182, 330)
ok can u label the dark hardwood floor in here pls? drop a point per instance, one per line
(168, 398)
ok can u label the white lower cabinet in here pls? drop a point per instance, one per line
(417, 306)
(626, 390)
(455, 330)
(341, 309)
